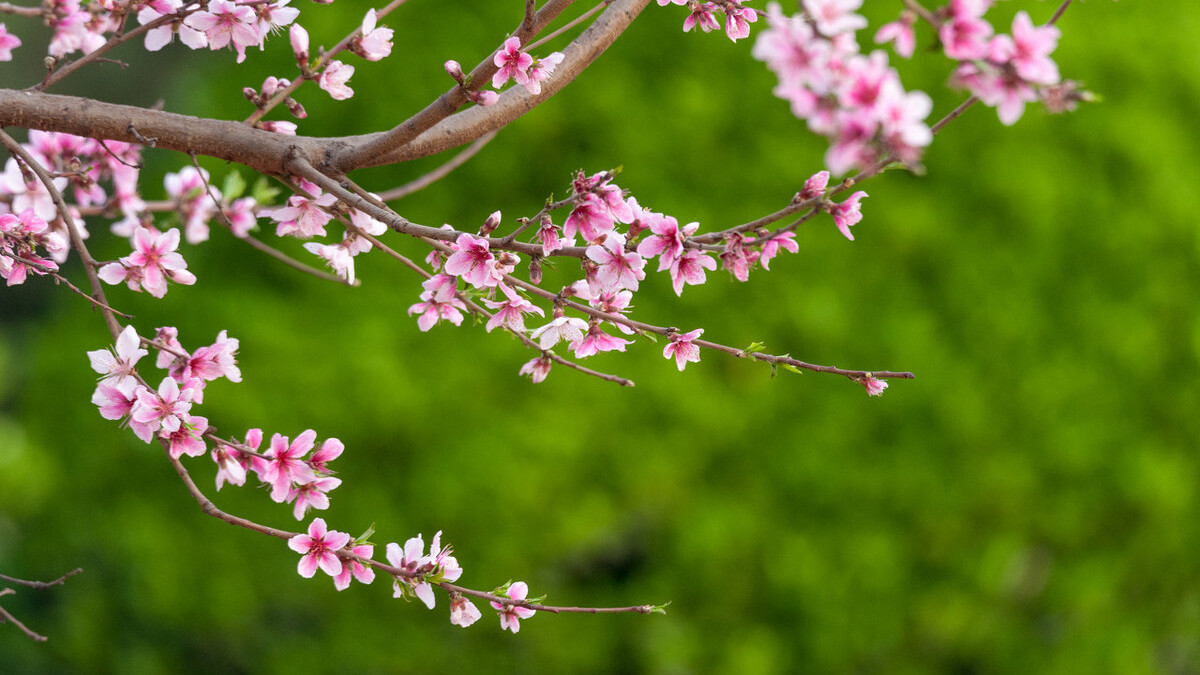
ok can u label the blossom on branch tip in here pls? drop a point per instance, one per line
(900, 33)
(689, 269)
(225, 23)
(537, 369)
(681, 348)
(312, 495)
(463, 612)
(540, 71)
(157, 38)
(439, 301)
(618, 268)
(737, 21)
(874, 386)
(835, 16)
(285, 466)
(511, 615)
(372, 43)
(117, 366)
(511, 63)
(353, 568)
(848, 213)
(703, 15)
(473, 261)
(8, 43)
(333, 80)
(566, 328)
(317, 549)
(162, 411)
(303, 217)
(153, 262)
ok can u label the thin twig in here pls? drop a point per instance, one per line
(63, 280)
(438, 173)
(85, 256)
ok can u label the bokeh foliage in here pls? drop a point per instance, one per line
(1027, 504)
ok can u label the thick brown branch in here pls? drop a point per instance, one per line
(475, 122)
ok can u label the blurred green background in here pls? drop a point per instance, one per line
(1027, 504)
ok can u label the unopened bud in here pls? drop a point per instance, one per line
(535, 271)
(490, 225)
(251, 95)
(299, 38)
(507, 259)
(483, 98)
(453, 69)
(295, 108)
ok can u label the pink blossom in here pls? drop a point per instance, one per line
(339, 258)
(330, 450)
(703, 15)
(462, 611)
(318, 549)
(473, 261)
(284, 464)
(273, 16)
(215, 361)
(511, 312)
(848, 213)
(835, 16)
(874, 386)
(682, 349)
(7, 43)
(770, 248)
(412, 559)
(196, 204)
(618, 268)
(560, 328)
(548, 235)
(224, 23)
(902, 116)
(511, 615)
(666, 240)
(512, 63)
(303, 217)
(162, 411)
(965, 37)
(815, 186)
(597, 341)
(232, 463)
(689, 269)
(116, 400)
(537, 369)
(312, 495)
(1031, 50)
(738, 20)
(735, 258)
(118, 366)
(372, 43)
(901, 32)
(241, 216)
(592, 218)
(333, 80)
(157, 38)
(540, 71)
(186, 439)
(351, 567)
(298, 37)
(153, 262)
(438, 301)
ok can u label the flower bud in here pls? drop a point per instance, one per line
(453, 69)
(295, 108)
(299, 38)
(251, 95)
(489, 226)
(535, 271)
(483, 98)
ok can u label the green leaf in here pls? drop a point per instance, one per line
(234, 186)
(264, 192)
